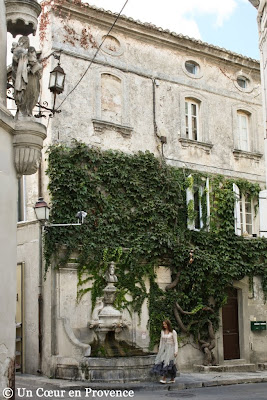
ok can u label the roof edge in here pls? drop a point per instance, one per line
(150, 26)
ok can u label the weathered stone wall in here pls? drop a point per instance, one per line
(28, 251)
(8, 213)
(133, 61)
(133, 93)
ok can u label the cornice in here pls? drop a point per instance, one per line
(255, 3)
(150, 32)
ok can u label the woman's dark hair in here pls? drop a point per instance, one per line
(169, 324)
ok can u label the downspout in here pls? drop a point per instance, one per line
(163, 139)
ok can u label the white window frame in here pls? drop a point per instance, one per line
(190, 196)
(243, 116)
(189, 117)
(241, 215)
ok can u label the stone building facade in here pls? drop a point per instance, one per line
(196, 105)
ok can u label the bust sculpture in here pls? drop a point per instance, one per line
(110, 276)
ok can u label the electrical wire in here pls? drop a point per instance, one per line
(87, 69)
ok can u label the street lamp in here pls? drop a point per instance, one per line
(56, 82)
(42, 214)
(41, 210)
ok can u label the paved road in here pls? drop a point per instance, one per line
(234, 392)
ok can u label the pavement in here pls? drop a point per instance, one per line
(184, 381)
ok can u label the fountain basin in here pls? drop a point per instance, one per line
(109, 369)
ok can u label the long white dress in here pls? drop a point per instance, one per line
(165, 362)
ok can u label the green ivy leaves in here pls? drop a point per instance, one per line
(137, 217)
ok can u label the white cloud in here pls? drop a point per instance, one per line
(176, 15)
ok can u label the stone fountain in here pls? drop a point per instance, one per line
(106, 318)
(109, 353)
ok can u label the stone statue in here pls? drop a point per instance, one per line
(26, 75)
(110, 276)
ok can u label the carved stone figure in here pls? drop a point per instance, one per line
(110, 276)
(26, 75)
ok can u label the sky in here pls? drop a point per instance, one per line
(231, 24)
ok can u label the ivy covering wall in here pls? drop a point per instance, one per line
(137, 216)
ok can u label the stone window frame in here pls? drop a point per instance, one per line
(203, 118)
(249, 87)
(253, 151)
(101, 125)
(199, 73)
(104, 49)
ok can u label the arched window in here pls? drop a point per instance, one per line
(111, 98)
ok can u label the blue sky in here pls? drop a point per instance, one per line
(231, 24)
(239, 33)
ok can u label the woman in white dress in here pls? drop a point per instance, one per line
(168, 351)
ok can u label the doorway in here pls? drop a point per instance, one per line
(231, 347)
(20, 354)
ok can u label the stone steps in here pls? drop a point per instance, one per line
(231, 367)
(262, 366)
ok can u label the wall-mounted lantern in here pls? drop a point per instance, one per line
(41, 210)
(56, 83)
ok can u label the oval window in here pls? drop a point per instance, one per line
(192, 67)
(242, 82)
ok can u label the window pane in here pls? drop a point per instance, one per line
(243, 131)
(197, 208)
(191, 67)
(194, 109)
(242, 82)
(248, 207)
(248, 219)
(249, 229)
(194, 128)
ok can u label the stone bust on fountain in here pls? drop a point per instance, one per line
(110, 276)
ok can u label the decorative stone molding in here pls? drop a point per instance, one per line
(247, 154)
(22, 16)
(255, 3)
(84, 347)
(111, 45)
(194, 143)
(101, 126)
(28, 144)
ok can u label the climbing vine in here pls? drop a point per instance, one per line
(137, 216)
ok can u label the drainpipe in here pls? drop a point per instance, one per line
(163, 139)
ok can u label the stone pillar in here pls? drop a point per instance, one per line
(8, 219)
(2, 52)
(262, 18)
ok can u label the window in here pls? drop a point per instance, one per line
(192, 67)
(244, 214)
(198, 218)
(243, 130)
(111, 98)
(21, 199)
(242, 82)
(191, 119)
